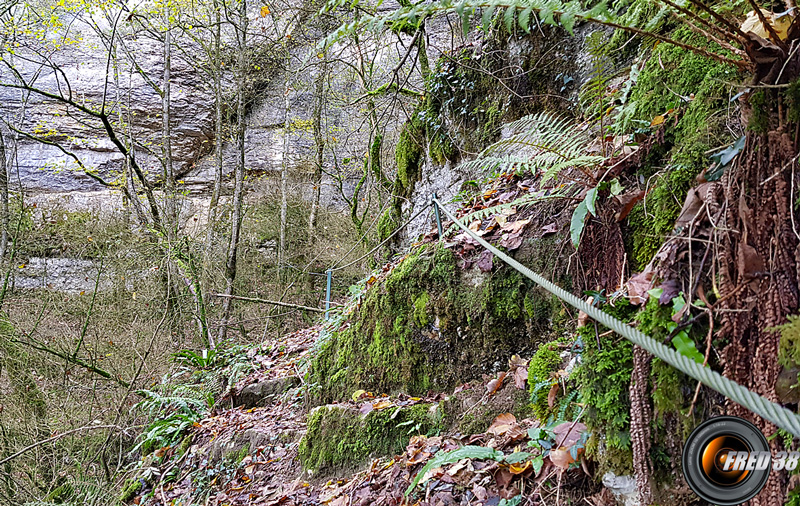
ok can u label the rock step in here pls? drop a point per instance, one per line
(265, 392)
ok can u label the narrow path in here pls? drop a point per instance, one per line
(248, 453)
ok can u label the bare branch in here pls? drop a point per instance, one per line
(59, 436)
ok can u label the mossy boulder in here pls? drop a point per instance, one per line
(264, 392)
(430, 326)
(470, 411)
(409, 154)
(340, 437)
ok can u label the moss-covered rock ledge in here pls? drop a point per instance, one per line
(431, 325)
(339, 437)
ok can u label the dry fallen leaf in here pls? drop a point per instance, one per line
(502, 424)
(480, 492)
(515, 227)
(780, 22)
(503, 477)
(520, 377)
(512, 241)
(485, 261)
(517, 361)
(628, 200)
(551, 228)
(516, 433)
(520, 467)
(382, 405)
(562, 458)
(638, 286)
(551, 396)
(495, 384)
(568, 433)
(583, 318)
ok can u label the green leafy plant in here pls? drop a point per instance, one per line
(465, 452)
(589, 206)
(172, 415)
(528, 14)
(684, 344)
(549, 142)
(200, 360)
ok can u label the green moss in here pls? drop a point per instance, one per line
(603, 380)
(609, 458)
(667, 391)
(442, 149)
(409, 154)
(239, 455)
(185, 444)
(131, 488)
(632, 13)
(474, 423)
(653, 219)
(460, 413)
(668, 382)
(390, 346)
(789, 344)
(388, 223)
(340, 437)
(670, 74)
(541, 367)
(793, 102)
(420, 309)
(466, 107)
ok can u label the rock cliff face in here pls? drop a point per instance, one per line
(538, 66)
(79, 71)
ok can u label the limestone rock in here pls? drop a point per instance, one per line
(261, 393)
(623, 487)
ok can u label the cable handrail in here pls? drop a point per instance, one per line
(754, 402)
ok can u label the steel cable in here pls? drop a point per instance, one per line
(759, 405)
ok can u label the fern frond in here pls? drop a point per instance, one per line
(544, 141)
(187, 399)
(564, 13)
(565, 403)
(525, 200)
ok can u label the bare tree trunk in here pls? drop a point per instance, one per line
(3, 198)
(130, 183)
(238, 192)
(218, 141)
(284, 177)
(319, 143)
(166, 144)
(218, 101)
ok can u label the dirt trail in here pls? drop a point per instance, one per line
(248, 454)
